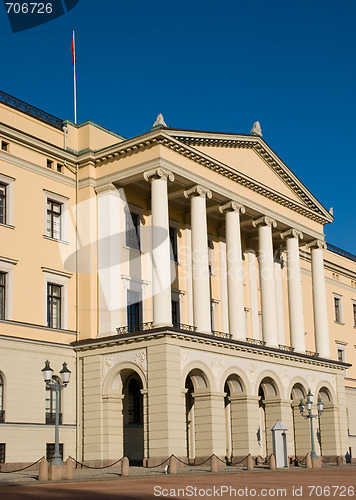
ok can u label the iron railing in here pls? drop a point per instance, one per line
(341, 252)
(182, 326)
(286, 348)
(312, 353)
(255, 341)
(30, 110)
(221, 334)
(139, 327)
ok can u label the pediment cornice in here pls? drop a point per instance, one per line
(183, 144)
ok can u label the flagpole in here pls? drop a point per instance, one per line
(75, 81)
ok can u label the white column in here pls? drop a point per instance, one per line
(267, 280)
(252, 282)
(279, 300)
(161, 261)
(223, 284)
(296, 318)
(235, 269)
(322, 343)
(109, 260)
(200, 266)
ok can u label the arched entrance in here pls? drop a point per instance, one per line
(133, 417)
(301, 426)
(269, 408)
(328, 426)
(235, 414)
(196, 387)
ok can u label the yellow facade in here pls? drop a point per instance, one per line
(156, 373)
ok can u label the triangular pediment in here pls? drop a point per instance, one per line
(255, 164)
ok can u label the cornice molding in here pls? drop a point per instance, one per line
(314, 211)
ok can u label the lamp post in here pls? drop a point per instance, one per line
(55, 386)
(309, 403)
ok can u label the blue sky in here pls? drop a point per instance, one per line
(216, 66)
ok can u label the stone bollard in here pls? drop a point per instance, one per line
(259, 460)
(172, 465)
(69, 468)
(250, 462)
(316, 463)
(339, 461)
(308, 462)
(214, 464)
(272, 462)
(43, 472)
(125, 467)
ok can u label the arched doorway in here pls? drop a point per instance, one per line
(196, 387)
(268, 400)
(301, 426)
(328, 426)
(235, 413)
(133, 417)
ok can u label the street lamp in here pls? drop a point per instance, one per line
(55, 386)
(309, 403)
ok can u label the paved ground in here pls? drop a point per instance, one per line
(329, 482)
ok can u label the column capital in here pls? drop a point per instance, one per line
(232, 206)
(106, 188)
(264, 221)
(316, 244)
(292, 233)
(198, 190)
(158, 173)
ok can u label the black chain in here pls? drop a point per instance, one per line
(89, 467)
(20, 470)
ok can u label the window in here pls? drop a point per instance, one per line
(2, 411)
(135, 406)
(2, 295)
(59, 167)
(354, 313)
(134, 311)
(338, 311)
(4, 146)
(51, 404)
(173, 238)
(2, 453)
(211, 256)
(49, 163)
(3, 203)
(175, 313)
(132, 230)
(54, 212)
(54, 305)
(341, 355)
(50, 451)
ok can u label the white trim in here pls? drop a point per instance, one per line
(53, 277)
(339, 297)
(9, 211)
(57, 273)
(6, 266)
(63, 200)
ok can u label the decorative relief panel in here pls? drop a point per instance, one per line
(136, 356)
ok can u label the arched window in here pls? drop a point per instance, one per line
(51, 404)
(2, 411)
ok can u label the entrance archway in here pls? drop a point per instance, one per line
(235, 415)
(269, 408)
(301, 426)
(328, 425)
(195, 385)
(133, 417)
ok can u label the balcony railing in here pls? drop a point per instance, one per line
(221, 334)
(312, 353)
(255, 341)
(182, 326)
(51, 418)
(286, 348)
(139, 327)
(2, 416)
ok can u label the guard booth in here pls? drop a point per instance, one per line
(279, 440)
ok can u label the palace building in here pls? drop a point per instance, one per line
(184, 278)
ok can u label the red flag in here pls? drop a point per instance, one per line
(73, 50)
